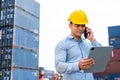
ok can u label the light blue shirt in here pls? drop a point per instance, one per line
(68, 53)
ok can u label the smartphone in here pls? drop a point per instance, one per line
(85, 33)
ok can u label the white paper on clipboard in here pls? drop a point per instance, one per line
(101, 55)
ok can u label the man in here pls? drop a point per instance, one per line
(71, 53)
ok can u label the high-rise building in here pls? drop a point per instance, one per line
(19, 39)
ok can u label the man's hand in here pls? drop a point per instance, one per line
(90, 34)
(86, 63)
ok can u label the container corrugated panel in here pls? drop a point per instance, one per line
(25, 20)
(32, 6)
(7, 16)
(5, 3)
(6, 36)
(115, 56)
(101, 77)
(18, 74)
(115, 76)
(25, 58)
(21, 58)
(116, 46)
(114, 31)
(26, 39)
(5, 63)
(114, 41)
(111, 76)
(5, 57)
(114, 67)
(102, 73)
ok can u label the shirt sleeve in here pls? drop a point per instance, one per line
(60, 60)
(95, 43)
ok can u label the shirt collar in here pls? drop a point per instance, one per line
(71, 37)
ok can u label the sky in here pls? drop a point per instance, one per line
(54, 25)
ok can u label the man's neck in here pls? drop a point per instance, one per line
(77, 38)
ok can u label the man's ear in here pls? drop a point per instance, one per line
(70, 25)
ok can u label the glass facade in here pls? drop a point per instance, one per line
(19, 39)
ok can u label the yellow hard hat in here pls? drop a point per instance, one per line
(78, 17)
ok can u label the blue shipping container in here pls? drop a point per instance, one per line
(114, 76)
(25, 20)
(26, 39)
(25, 58)
(32, 6)
(7, 16)
(5, 3)
(114, 41)
(27, 16)
(18, 74)
(6, 36)
(111, 76)
(5, 57)
(20, 58)
(114, 31)
(100, 77)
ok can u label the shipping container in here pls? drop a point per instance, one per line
(115, 76)
(18, 74)
(110, 76)
(26, 20)
(5, 57)
(26, 39)
(112, 72)
(101, 77)
(32, 6)
(114, 67)
(114, 41)
(19, 39)
(5, 3)
(114, 31)
(6, 36)
(115, 56)
(22, 41)
(29, 15)
(7, 16)
(28, 46)
(21, 57)
(25, 58)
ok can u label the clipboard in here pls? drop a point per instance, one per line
(101, 55)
